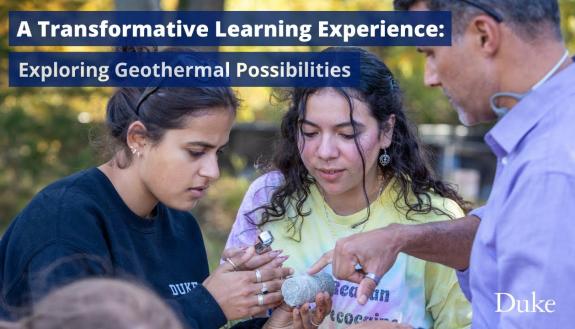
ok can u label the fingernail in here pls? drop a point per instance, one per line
(291, 271)
(282, 259)
(275, 253)
(362, 299)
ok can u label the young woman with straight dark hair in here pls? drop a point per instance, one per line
(130, 217)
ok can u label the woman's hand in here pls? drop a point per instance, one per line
(269, 259)
(285, 317)
(242, 294)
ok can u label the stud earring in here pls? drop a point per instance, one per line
(384, 159)
(135, 152)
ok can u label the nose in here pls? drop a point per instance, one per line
(327, 149)
(210, 168)
(431, 78)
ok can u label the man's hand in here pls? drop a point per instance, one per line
(376, 251)
(447, 242)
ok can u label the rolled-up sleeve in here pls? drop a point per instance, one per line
(478, 212)
(463, 278)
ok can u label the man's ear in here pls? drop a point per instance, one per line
(486, 34)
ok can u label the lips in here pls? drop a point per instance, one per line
(198, 192)
(329, 174)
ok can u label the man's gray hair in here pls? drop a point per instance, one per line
(528, 18)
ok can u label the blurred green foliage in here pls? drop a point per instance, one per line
(48, 133)
(39, 146)
(44, 132)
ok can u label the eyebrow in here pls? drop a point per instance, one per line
(339, 125)
(206, 145)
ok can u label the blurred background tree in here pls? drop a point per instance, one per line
(44, 132)
(48, 133)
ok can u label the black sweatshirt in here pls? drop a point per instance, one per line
(79, 227)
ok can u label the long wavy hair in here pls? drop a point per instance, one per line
(415, 179)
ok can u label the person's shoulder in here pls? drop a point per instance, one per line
(263, 186)
(443, 208)
(49, 219)
(45, 218)
(82, 193)
(81, 180)
(448, 205)
(58, 195)
(271, 179)
(548, 148)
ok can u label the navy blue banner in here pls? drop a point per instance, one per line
(217, 28)
(189, 69)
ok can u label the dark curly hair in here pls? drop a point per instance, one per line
(409, 166)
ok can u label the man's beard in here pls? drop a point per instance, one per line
(461, 113)
(463, 116)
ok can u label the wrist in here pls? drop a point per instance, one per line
(399, 237)
(280, 318)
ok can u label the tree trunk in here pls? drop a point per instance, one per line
(215, 5)
(203, 5)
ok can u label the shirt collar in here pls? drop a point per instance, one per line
(510, 130)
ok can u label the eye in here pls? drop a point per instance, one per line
(196, 154)
(309, 134)
(349, 133)
(348, 136)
